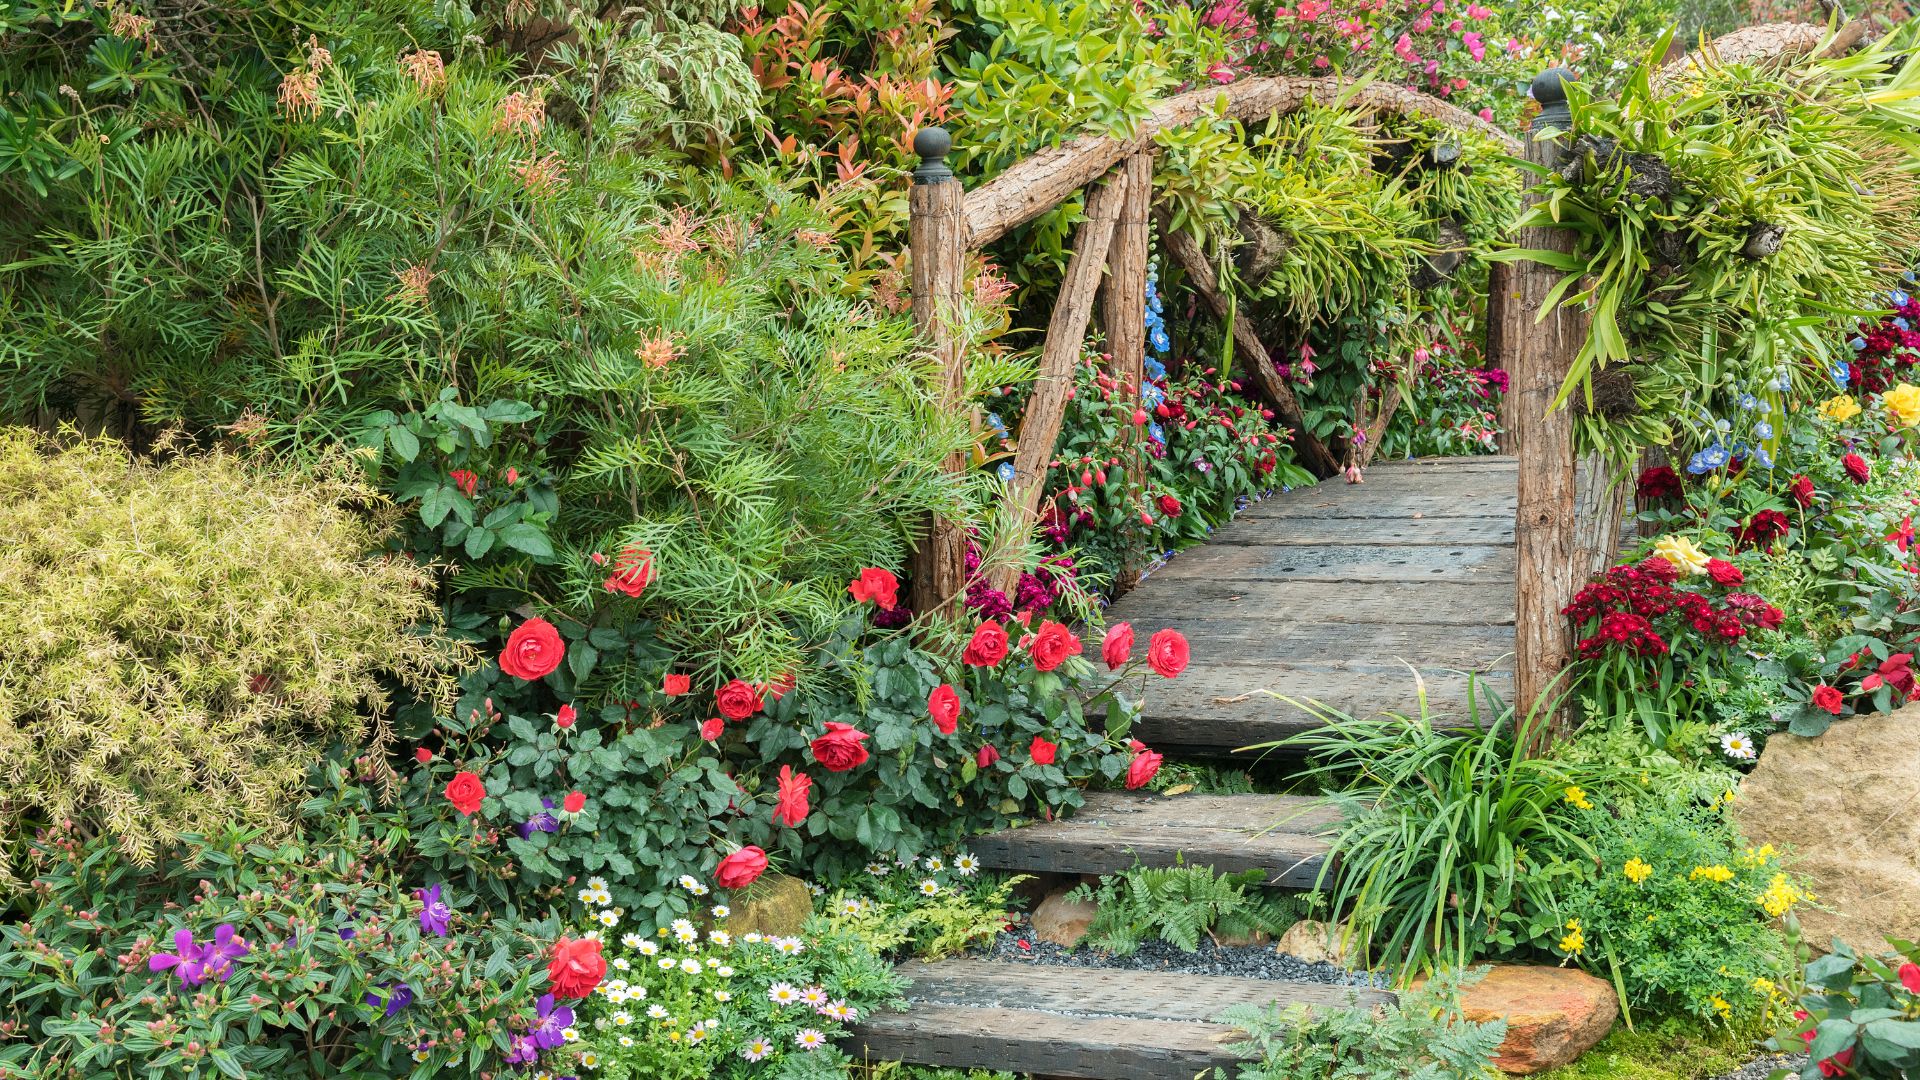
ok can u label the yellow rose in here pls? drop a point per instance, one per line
(1903, 404)
(1840, 408)
(1684, 554)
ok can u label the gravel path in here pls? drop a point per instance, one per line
(1761, 1068)
(1245, 961)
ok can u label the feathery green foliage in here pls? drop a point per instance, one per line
(189, 637)
(1180, 903)
(1425, 1036)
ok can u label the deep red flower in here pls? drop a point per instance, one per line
(1902, 537)
(1117, 649)
(839, 749)
(779, 687)
(1802, 491)
(675, 685)
(422, 755)
(465, 481)
(575, 967)
(1761, 530)
(1052, 645)
(1829, 698)
(1041, 751)
(1895, 671)
(1167, 652)
(1659, 482)
(944, 706)
(988, 647)
(876, 586)
(790, 805)
(740, 869)
(712, 728)
(575, 802)
(566, 716)
(1170, 506)
(1857, 468)
(533, 650)
(465, 791)
(1837, 1064)
(986, 756)
(737, 700)
(632, 571)
(1910, 977)
(1141, 769)
(1725, 573)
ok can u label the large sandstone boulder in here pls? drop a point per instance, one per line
(1315, 942)
(1845, 809)
(1061, 920)
(775, 905)
(1553, 1014)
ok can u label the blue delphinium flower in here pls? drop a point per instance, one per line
(1899, 298)
(1841, 375)
(1154, 433)
(1705, 461)
(1858, 343)
(1762, 458)
(1749, 402)
(1005, 471)
(1902, 323)
(1763, 430)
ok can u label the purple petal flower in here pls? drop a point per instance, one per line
(226, 948)
(188, 960)
(391, 998)
(523, 1052)
(549, 1030)
(540, 822)
(436, 916)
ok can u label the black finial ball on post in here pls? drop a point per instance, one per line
(932, 145)
(1550, 90)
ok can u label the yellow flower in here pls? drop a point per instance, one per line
(1902, 404)
(1840, 408)
(1578, 798)
(1637, 870)
(1720, 1006)
(1757, 856)
(1779, 897)
(1715, 873)
(1684, 554)
(1576, 939)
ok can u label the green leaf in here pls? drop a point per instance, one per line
(479, 542)
(524, 537)
(404, 443)
(437, 505)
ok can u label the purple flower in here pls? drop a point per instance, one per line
(194, 962)
(540, 822)
(551, 1023)
(392, 997)
(436, 917)
(523, 1052)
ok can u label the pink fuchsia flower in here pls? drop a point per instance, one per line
(436, 915)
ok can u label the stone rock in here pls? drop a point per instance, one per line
(1239, 941)
(1315, 942)
(776, 905)
(1553, 1014)
(1063, 921)
(1843, 809)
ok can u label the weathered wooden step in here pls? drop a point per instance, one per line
(1284, 835)
(1099, 1023)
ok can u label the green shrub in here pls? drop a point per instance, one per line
(893, 907)
(1178, 904)
(188, 637)
(1425, 1036)
(1859, 1014)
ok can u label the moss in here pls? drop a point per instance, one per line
(1671, 1049)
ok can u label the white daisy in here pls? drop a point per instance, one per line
(753, 937)
(725, 971)
(634, 941)
(626, 1040)
(720, 938)
(839, 1010)
(657, 1012)
(721, 911)
(690, 966)
(597, 884)
(723, 996)
(570, 1034)
(966, 865)
(1738, 745)
(756, 1049)
(683, 931)
(585, 895)
(696, 1035)
(622, 1018)
(667, 963)
(589, 1059)
(621, 963)
(617, 997)
(816, 888)
(789, 946)
(692, 885)
(934, 864)
(421, 1054)
(782, 994)
(929, 887)
(809, 1039)
(878, 869)
(710, 1023)
(814, 995)
(607, 918)
(648, 948)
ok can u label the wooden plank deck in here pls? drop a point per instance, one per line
(1103, 1023)
(1337, 593)
(1116, 830)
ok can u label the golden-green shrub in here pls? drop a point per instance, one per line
(181, 640)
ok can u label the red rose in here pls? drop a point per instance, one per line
(1041, 751)
(675, 685)
(1895, 671)
(1052, 645)
(986, 757)
(632, 571)
(423, 755)
(1170, 506)
(1857, 468)
(1167, 652)
(465, 791)
(575, 802)
(1145, 763)
(513, 476)
(737, 700)
(1910, 977)
(1659, 482)
(1802, 491)
(575, 967)
(839, 749)
(876, 586)
(944, 706)
(1761, 530)
(1829, 698)
(740, 869)
(988, 647)
(1724, 573)
(533, 650)
(1117, 649)
(710, 730)
(1837, 1064)
(465, 480)
(781, 686)
(566, 716)
(790, 805)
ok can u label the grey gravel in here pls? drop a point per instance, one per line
(1244, 961)
(1763, 1067)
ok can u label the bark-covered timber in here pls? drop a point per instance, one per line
(1770, 41)
(1039, 183)
(1123, 308)
(1186, 251)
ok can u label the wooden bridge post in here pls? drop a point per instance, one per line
(1123, 308)
(1539, 353)
(937, 241)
